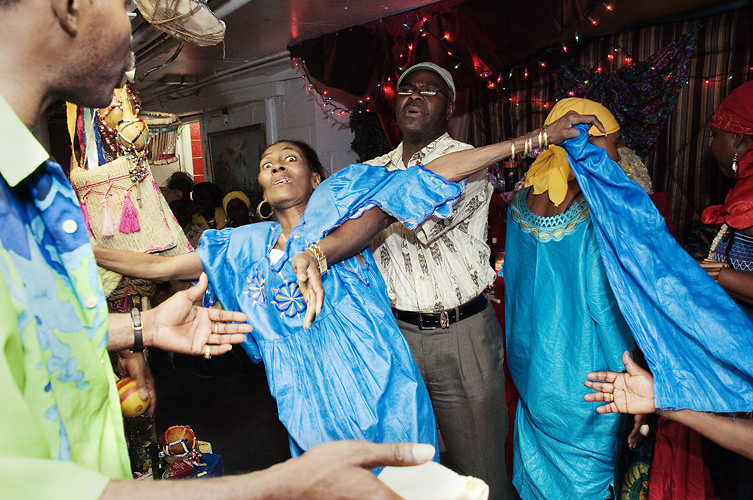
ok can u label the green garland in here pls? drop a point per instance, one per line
(369, 140)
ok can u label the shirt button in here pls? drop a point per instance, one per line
(90, 302)
(70, 226)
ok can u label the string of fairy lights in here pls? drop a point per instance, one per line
(510, 80)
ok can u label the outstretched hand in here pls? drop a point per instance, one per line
(178, 325)
(341, 470)
(631, 392)
(562, 128)
(306, 268)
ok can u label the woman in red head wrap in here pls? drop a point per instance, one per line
(732, 147)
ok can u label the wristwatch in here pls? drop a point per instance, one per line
(138, 339)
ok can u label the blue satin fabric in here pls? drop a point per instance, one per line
(697, 341)
(562, 322)
(351, 375)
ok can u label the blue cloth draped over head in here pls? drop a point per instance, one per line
(697, 341)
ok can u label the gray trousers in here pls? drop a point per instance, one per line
(462, 368)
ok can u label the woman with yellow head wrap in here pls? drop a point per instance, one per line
(562, 321)
(236, 205)
(551, 172)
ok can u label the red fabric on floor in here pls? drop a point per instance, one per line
(678, 470)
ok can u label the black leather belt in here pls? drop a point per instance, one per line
(442, 319)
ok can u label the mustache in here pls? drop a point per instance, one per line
(410, 102)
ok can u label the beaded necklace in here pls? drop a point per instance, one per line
(108, 133)
(137, 162)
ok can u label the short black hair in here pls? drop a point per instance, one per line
(179, 180)
(212, 189)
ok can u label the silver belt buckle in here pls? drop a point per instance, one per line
(444, 319)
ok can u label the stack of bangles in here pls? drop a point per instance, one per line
(543, 138)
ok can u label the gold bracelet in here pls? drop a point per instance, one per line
(512, 150)
(528, 149)
(546, 139)
(541, 134)
(314, 249)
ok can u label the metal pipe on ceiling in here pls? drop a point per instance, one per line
(218, 77)
(229, 7)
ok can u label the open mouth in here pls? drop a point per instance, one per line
(281, 180)
(412, 110)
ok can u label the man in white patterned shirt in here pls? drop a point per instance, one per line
(436, 277)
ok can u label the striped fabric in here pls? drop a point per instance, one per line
(680, 161)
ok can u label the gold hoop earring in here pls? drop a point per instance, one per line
(258, 210)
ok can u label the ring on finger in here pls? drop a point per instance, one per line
(611, 397)
(207, 353)
(216, 328)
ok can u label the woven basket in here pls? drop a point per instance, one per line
(188, 20)
(162, 145)
(158, 232)
(157, 119)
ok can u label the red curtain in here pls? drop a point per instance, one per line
(469, 38)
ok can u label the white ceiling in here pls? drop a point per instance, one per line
(259, 32)
(257, 35)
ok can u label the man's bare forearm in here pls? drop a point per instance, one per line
(354, 235)
(733, 433)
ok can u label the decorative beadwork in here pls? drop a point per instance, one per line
(117, 143)
(137, 165)
(548, 228)
(108, 134)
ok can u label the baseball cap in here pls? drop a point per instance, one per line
(427, 66)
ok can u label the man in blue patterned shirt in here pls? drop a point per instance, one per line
(63, 433)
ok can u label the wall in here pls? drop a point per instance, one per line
(282, 102)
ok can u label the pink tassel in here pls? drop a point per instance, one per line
(107, 230)
(129, 219)
(86, 218)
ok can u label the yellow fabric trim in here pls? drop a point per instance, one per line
(20, 152)
(71, 113)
